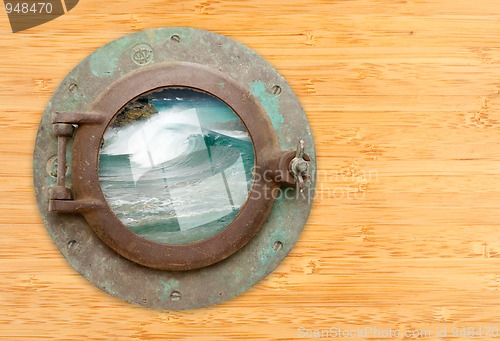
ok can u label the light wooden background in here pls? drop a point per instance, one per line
(404, 101)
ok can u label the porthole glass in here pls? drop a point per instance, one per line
(175, 165)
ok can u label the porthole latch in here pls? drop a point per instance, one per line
(291, 168)
(299, 168)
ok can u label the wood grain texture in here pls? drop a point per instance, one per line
(404, 101)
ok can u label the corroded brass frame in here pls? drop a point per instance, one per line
(68, 140)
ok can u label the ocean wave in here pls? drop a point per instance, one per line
(166, 173)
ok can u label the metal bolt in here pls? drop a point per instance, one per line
(175, 38)
(276, 90)
(73, 87)
(175, 296)
(277, 246)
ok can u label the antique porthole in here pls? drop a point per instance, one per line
(174, 168)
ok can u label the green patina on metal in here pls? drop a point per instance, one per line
(167, 288)
(269, 102)
(103, 64)
(138, 284)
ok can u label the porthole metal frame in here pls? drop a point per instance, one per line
(152, 274)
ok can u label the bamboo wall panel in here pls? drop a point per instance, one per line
(404, 101)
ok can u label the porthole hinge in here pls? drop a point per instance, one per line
(63, 126)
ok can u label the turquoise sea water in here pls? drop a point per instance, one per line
(176, 166)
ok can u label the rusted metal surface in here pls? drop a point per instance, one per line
(217, 268)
